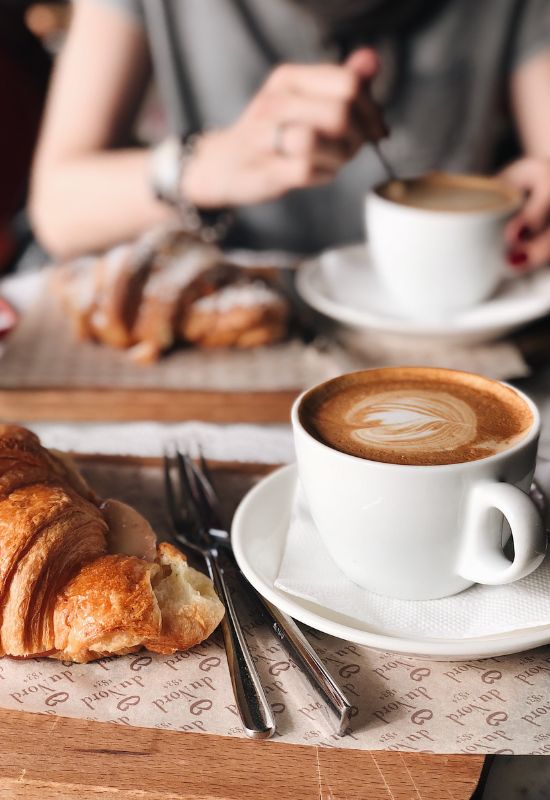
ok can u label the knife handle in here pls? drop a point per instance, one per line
(296, 644)
(315, 671)
(254, 709)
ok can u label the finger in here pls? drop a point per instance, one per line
(296, 173)
(328, 116)
(516, 230)
(302, 141)
(364, 63)
(317, 79)
(536, 209)
(526, 176)
(330, 155)
(322, 177)
(531, 220)
(538, 249)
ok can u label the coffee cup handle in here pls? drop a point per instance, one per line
(482, 559)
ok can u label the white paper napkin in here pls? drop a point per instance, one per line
(308, 571)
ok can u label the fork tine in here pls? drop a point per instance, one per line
(207, 483)
(169, 492)
(182, 533)
(204, 466)
(208, 497)
(207, 477)
(188, 489)
(191, 478)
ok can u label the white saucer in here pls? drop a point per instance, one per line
(259, 533)
(343, 286)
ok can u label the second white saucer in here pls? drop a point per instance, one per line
(343, 285)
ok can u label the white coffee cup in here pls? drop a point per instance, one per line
(440, 259)
(423, 532)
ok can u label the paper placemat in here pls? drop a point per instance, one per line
(43, 352)
(499, 705)
(501, 359)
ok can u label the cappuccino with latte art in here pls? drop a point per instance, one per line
(416, 416)
(408, 473)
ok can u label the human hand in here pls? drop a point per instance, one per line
(304, 123)
(528, 233)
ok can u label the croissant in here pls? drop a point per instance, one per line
(81, 578)
(167, 288)
(244, 314)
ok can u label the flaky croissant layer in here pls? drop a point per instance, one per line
(63, 591)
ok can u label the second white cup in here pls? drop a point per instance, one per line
(445, 253)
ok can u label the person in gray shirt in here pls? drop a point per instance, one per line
(268, 110)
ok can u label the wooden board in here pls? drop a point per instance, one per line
(161, 405)
(44, 757)
(52, 758)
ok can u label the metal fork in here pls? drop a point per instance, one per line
(207, 511)
(254, 709)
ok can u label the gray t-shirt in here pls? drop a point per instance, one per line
(444, 97)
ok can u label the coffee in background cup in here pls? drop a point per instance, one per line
(441, 192)
(437, 241)
(410, 474)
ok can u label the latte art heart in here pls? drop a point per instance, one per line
(419, 420)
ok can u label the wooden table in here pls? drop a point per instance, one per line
(43, 756)
(52, 758)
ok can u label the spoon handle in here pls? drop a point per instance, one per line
(384, 161)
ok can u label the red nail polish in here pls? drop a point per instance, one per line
(516, 258)
(525, 233)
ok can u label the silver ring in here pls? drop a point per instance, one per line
(278, 139)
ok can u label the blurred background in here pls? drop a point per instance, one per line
(30, 36)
